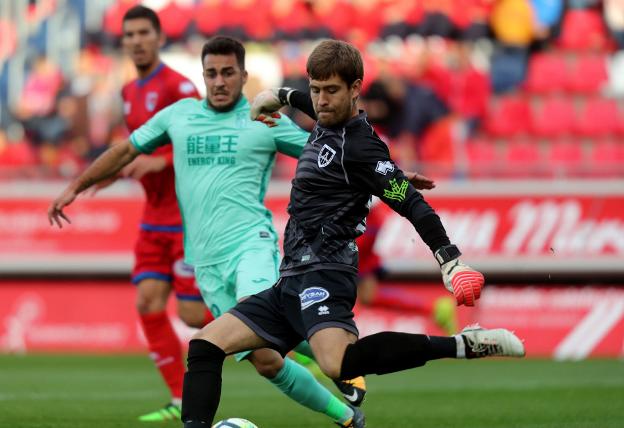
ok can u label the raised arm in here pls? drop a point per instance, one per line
(107, 165)
(266, 104)
(368, 166)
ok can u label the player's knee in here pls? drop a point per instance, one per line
(330, 367)
(267, 363)
(268, 369)
(149, 302)
(193, 319)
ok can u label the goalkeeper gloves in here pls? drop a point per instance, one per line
(460, 279)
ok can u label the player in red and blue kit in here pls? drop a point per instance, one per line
(159, 265)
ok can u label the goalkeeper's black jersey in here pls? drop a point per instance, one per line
(338, 171)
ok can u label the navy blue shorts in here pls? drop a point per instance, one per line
(298, 306)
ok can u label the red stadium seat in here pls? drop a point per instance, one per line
(582, 29)
(607, 159)
(483, 157)
(509, 116)
(546, 73)
(554, 118)
(588, 74)
(598, 118)
(523, 158)
(565, 158)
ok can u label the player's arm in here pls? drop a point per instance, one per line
(368, 167)
(146, 139)
(266, 104)
(289, 138)
(107, 165)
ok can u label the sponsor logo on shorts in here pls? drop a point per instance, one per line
(312, 295)
(183, 270)
(323, 310)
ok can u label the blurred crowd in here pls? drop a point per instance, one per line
(441, 77)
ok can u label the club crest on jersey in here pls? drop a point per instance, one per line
(325, 156)
(312, 295)
(384, 167)
(150, 100)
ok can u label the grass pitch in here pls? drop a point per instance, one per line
(49, 391)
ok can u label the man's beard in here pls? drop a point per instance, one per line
(227, 107)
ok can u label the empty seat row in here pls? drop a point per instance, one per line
(554, 116)
(553, 72)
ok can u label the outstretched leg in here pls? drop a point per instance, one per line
(202, 382)
(299, 384)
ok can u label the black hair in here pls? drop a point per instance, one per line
(139, 11)
(222, 45)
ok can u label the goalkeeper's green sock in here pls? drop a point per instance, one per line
(299, 384)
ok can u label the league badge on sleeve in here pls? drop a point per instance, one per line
(186, 87)
(325, 156)
(384, 167)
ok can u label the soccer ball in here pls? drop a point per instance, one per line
(234, 423)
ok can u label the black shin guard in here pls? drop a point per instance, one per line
(202, 384)
(386, 352)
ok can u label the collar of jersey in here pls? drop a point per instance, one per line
(361, 116)
(149, 77)
(242, 102)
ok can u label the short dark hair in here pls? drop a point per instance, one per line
(137, 12)
(334, 57)
(222, 45)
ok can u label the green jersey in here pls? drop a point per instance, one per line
(223, 163)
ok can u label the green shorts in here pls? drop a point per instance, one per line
(251, 271)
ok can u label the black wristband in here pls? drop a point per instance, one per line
(447, 253)
(282, 95)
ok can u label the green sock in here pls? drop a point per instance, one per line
(304, 348)
(299, 384)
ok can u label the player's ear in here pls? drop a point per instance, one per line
(245, 76)
(162, 39)
(356, 88)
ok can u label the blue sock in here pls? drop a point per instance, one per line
(298, 383)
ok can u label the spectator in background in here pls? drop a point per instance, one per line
(404, 111)
(614, 18)
(37, 111)
(547, 15)
(513, 24)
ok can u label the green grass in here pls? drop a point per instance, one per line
(46, 391)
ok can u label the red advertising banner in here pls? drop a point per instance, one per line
(100, 237)
(504, 227)
(562, 323)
